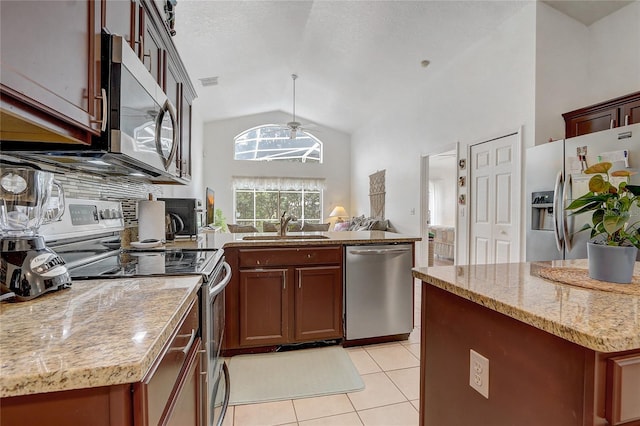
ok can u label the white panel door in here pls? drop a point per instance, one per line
(494, 199)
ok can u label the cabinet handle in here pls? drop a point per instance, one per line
(612, 125)
(626, 120)
(299, 280)
(185, 349)
(103, 120)
(284, 280)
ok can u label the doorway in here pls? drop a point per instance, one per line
(438, 207)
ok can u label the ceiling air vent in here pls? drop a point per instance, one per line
(209, 81)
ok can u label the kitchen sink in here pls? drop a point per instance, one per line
(285, 237)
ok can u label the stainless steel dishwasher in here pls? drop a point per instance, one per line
(378, 290)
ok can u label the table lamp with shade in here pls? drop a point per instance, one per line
(338, 212)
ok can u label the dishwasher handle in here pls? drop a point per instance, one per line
(381, 251)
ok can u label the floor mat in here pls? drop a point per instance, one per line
(294, 374)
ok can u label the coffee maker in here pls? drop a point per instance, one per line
(27, 267)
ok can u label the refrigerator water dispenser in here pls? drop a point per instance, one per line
(542, 215)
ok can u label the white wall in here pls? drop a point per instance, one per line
(614, 55)
(219, 166)
(577, 66)
(488, 91)
(561, 70)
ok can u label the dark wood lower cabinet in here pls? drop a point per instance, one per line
(317, 311)
(283, 296)
(102, 406)
(535, 378)
(169, 395)
(264, 307)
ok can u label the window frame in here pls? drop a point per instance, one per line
(300, 154)
(257, 222)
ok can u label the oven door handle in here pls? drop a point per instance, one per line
(227, 393)
(222, 284)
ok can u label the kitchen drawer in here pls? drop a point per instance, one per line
(623, 389)
(318, 255)
(158, 386)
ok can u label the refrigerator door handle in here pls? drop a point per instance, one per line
(565, 218)
(557, 208)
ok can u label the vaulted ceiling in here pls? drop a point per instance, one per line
(350, 56)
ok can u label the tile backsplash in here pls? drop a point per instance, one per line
(123, 189)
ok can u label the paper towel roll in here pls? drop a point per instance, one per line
(151, 223)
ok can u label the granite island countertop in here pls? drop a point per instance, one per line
(605, 321)
(95, 333)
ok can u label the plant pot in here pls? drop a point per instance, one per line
(611, 263)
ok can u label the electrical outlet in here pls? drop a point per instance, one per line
(479, 373)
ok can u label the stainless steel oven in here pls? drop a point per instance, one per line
(215, 372)
(87, 238)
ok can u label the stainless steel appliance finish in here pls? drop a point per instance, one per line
(378, 290)
(557, 167)
(139, 137)
(88, 239)
(215, 374)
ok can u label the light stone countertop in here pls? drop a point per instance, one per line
(225, 239)
(600, 320)
(95, 333)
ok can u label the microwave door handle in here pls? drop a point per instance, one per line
(103, 119)
(557, 209)
(565, 214)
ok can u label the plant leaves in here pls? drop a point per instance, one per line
(599, 168)
(613, 222)
(634, 189)
(598, 184)
(626, 173)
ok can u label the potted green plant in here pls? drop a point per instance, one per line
(220, 220)
(615, 238)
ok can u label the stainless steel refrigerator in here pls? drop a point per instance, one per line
(554, 175)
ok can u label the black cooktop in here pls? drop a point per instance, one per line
(131, 263)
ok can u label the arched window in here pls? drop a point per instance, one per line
(273, 143)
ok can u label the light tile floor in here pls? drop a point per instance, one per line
(391, 374)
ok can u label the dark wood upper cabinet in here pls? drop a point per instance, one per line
(50, 75)
(50, 71)
(616, 112)
(122, 18)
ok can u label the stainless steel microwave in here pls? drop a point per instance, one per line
(139, 135)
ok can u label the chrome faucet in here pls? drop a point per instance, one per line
(284, 221)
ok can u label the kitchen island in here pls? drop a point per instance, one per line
(558, 354)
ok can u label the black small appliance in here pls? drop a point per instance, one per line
(187, 209)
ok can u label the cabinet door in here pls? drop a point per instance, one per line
(50, 67)
(630, 113)
(121, 18)
(152, 53)
(185, 136)
(318, 303)
(184, 407)
(263, 307)
(592, 122)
